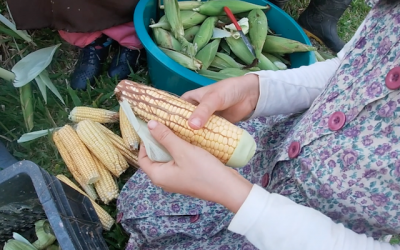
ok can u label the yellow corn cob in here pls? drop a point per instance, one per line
(99, 144)
(79, 153)
(106, 187)
(207, 54)
(258, 29)
(185, 61)
(129, 135)
(105, 218)
(130, 156)
(69, 162)
(81, 113)
(216, 8)
(204, 35)
(230, 144)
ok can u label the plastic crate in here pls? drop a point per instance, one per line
(29, 193)
(166, 74)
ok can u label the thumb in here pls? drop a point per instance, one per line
(165, 137)
(206, 108)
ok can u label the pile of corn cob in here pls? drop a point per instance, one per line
(219, 52)
(95, 156)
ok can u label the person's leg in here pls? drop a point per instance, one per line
(6, 159)
(129, 50)
(320, 19)
(94, 51)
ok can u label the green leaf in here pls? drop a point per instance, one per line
(44, 77)
(29, 67)
(74, 97)
(27, 105)
(7, 75)
(22, 33)
(34, 135)
(42, 86)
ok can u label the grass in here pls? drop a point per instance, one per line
(54, 114)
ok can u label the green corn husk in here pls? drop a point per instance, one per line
(281, 57)
(173, 15)
(266, 64)
(53, 247)
(234, 72)
(185, 61)
(216, 8)
(189, 19)
(318, 56)
(258, 29)
(229, 60)
(186, 5)
(275, 60)
(165, 39)
(216, 76)
(218, 63)
(191, 32)
(207, 54)
(17, 245)
(204, 35)
(325, 55)
(225, 47)
(276, 44)
(25, 95)
(45, 235)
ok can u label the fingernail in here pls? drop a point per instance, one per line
(196, 122)
(152, 124)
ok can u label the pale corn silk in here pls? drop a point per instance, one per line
(351, 175)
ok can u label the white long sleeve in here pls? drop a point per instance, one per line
(274, 222)
(293, 90)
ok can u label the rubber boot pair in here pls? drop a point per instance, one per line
(92, 58)
(319, 20)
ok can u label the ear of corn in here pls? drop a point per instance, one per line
(207, 54)
(130, 156)
(234, 72)
(318, 56)
(185, 61)
(100, 146)
(230, 144)
(280, 57)
(275, 60)
(44, 234)
(189, 19)
(191, 32)
(276, 44)
(186, 5)
(216, 8)
(218, 63)
(229, 60)
(266, 64)
(165, 39)
(258, 29)
(204, 35)
(106, 187)
(129, 135)
(12, 244)
(69, 162)
(79, 153)
(216, 76)
(173, 15)
(105, 218)
(81, 113)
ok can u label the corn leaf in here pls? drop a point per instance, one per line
(45, 80)
(7, 75)
(42, 86)
(22, 33)
(29, 67)
(155, 151)
(25, 96)
(34, 135)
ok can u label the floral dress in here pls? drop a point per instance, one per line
(340, 157)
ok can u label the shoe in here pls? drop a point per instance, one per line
(6, 159)
(279, 3)
(122, 63)
(320, 19)
(90, 63)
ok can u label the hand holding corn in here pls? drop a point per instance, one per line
(194, 171)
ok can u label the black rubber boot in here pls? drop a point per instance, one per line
(6, 159)
(90, 63)
(320, 19)
(279, 3)
(122, 62)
